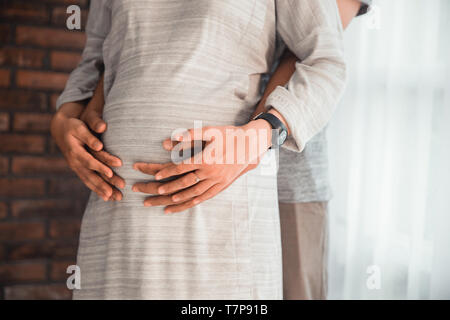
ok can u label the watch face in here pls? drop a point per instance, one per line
(282, 137)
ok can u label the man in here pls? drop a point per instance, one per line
(303, 195)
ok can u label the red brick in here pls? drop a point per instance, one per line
(21, 187)
(24, 12)
(53, 99)
(37, 122)
(53, 148)
(3, 210)
(41, 80)
(58, 270)
(41, 165)
(19, 231)
(45, 208)
(5, 33)
(60, 15)
(40, 292)
(4, 165)
(22, 143)
(5, 78)
(21, 57)
(67, 187)
(4, 121)
(22, 100)
(81, 3)
(64, 60)
(2, 252)
(65, 228)
(38, 232)
(47, 249)
(23, 272)
(50, 38)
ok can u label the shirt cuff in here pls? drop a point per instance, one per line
(281, 101)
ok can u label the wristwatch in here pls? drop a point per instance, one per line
(279, 130)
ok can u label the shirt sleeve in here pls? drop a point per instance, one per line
(84, 79)
(312, 30)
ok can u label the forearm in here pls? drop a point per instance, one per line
(280, 77)
(98, 99)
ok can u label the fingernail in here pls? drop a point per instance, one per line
(158, 177)
(135, 167)
(161, 190)
(147, 204)
(175, 198)
(121, 184)
(167, 211)
(196, 201)
(100, 126)
(135, 189)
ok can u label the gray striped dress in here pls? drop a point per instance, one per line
(167, 64)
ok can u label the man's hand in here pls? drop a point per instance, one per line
(208, 172)
(73, 136)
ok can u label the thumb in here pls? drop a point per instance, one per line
(94, 121)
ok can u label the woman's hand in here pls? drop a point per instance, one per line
(228, 153)
(72, 136)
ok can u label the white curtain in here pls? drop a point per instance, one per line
(390, 156)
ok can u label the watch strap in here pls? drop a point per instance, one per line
(277, 125)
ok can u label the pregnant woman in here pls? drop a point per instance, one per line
(167, 65)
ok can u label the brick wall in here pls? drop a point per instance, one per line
(41, 201)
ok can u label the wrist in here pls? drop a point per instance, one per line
(71, 109)
(279, 131)
(262, 127)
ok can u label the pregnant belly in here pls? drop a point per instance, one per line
(135, 134)
(137, 129)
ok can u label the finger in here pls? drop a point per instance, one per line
(94, 121)
(168, 144)
(149, 168)
(193, 134)
(175, 170)
(181, 183)
(146, 187)
(88, 161)
(194, 191)
(117, 195)
(101, 185)
(90, 185)
(158, 201)
(210, 193)
(83, 134)
(95, 183)
(115, 181)
(107, 158)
